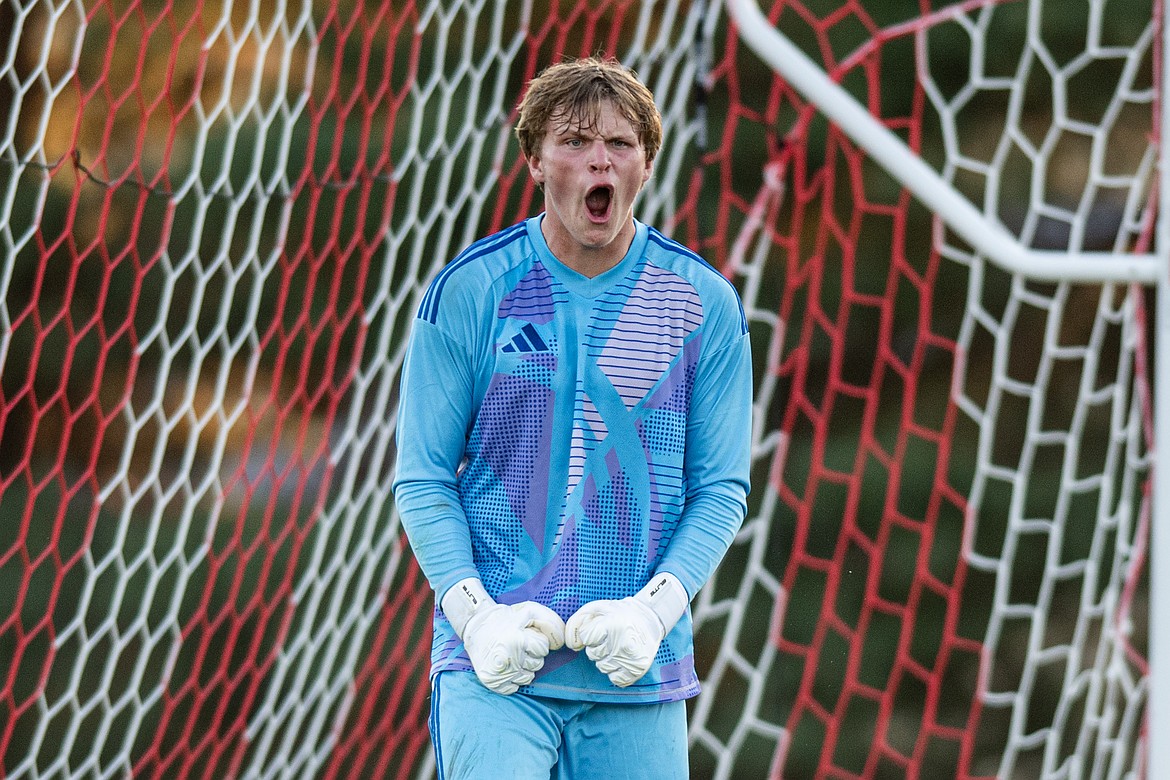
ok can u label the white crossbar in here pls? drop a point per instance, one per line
(984, 233)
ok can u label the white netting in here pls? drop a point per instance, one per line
(217, 219)
(1074, 134)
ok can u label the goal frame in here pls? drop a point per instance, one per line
(989, 237)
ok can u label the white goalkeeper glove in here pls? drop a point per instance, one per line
(506, 643)
(622, 636)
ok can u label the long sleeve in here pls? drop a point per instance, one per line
(434, 414)
(717, 465)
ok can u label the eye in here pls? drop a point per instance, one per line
(574, 143)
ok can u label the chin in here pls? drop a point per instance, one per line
(605, 231)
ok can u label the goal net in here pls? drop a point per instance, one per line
(217, 219)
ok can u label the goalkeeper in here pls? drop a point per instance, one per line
(573, 456)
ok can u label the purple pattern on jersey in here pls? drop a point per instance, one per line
(514, 434)
(588, 429)
(611, 554)
(533, 299)
(615, 504)
(555, 585)
(661, 311)
(655, 515)
(663, 435)
(450, 649)
(680, 672)
(674, 394)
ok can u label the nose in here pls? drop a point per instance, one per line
(599, 156)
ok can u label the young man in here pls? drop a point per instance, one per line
(573, 438)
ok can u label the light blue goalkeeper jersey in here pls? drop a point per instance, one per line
(563, 438)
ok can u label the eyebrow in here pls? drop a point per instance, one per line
(582, 129)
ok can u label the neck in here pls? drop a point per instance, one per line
(590, 261)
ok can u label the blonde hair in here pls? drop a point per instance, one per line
(573, 91)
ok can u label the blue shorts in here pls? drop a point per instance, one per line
(479, 734)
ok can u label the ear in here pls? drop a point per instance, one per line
(536, 169)
(646, 173)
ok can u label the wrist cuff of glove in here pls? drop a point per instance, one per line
(464, 599)
(666, 597)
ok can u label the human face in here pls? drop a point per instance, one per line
(591, 173)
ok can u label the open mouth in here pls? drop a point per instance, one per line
(598, 201)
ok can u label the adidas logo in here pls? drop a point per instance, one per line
(527, 340)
